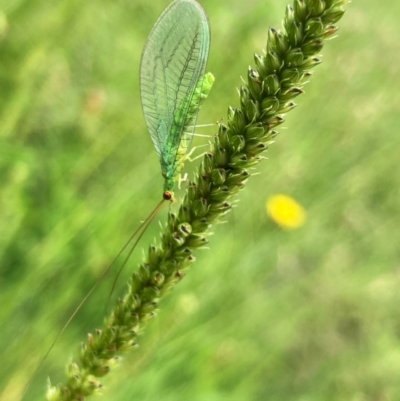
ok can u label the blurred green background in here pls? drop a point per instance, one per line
(264, 314)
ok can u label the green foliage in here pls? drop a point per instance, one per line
(265, 314)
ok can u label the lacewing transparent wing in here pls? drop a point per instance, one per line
(172, 68)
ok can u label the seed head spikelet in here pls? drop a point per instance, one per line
(272, 85)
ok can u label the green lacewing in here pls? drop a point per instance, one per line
(172, 88)
(173, 84)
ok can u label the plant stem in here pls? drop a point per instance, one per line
(271, 87)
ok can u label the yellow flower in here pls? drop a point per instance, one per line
(285, 211)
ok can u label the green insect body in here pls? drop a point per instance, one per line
(172, 86)
(173, 83)
(174, 156)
